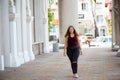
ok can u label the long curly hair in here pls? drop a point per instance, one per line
(68, 32)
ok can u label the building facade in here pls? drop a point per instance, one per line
(22, 23)
(85, 17)
(101, 18)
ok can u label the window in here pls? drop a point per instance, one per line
(100, 18)
(84, 6)
(81, 16)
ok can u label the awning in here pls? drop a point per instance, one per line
(55, 21)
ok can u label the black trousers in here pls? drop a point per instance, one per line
(73, 54)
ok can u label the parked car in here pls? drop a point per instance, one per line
(89, 37)
(103, 41)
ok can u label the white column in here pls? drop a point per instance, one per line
(19, 32)
(13, 36)
(24, 31)
(6, 32)
(45, 26)
(1, 52)
(29, 30)
(68, 15)
(38, 11)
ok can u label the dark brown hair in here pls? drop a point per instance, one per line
(68, 32)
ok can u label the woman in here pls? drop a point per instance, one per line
(72, 48)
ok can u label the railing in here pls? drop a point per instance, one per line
(38, 48)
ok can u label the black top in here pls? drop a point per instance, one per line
(72, 41)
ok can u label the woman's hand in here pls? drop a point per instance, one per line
(64, 54)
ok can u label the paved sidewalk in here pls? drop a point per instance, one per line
(94, 64)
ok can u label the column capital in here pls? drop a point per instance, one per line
(12, 12)
(11, 6)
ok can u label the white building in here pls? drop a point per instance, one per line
(23, 24)
(100, 17)
(85, 17)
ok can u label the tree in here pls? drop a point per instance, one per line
(95, 1)
(50, 15)
(50, 18)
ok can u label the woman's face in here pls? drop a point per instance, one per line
(71, 30)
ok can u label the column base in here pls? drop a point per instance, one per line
(115, 47)
(118, 53)
(21, 57)
(1, 62)
(11, 60)
(26, 56)
(32, 56)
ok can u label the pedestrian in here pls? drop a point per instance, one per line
(72, 48)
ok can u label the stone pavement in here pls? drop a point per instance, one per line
(94, 64)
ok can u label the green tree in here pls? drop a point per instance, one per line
(50, 18)
(110, 29)
(95, 1)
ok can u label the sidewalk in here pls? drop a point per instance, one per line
(94, 64)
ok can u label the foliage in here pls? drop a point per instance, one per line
(110, 29)
(95, 0)
(50, 18)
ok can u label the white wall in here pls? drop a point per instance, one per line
(101, 11)
(39, 20)
(87, 13)
(0, 30)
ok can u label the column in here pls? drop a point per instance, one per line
(116, 10)
(1, 52)
(115, 25)
(68, 15)
(24, 31)
(6, 32)
(29, 30)
(117, 20)
(41, 23)
(19, 32)
(38, 11)
(14, 59)
(45, 24)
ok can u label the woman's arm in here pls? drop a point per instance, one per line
(65, 46)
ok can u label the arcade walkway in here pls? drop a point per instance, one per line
(94, 64)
